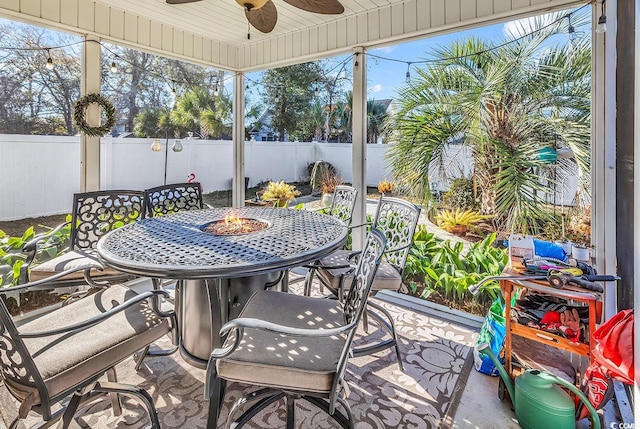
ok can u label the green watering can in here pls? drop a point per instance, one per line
(538, 401)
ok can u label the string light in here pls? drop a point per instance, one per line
(114, 67)
(277, 99)
(156, 146)
(315, 90)
(49, 64)
(601, 27)
(602, 21)
(407, 77)
(571, 30)
(215, 91)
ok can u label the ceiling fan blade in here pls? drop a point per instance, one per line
(181, 1)
(263, 19)
(328, 7)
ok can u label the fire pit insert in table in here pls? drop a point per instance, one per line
(234, 226)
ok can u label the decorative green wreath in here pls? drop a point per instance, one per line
(79, 110)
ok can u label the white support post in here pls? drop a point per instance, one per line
(359, 144)
(90, 146)
(238, 140)
(603, 151)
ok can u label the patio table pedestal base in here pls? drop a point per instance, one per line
(205, 305)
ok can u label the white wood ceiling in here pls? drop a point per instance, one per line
(214, 32)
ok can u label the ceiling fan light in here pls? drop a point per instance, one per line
(252, 4)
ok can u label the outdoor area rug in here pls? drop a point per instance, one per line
(437, 360)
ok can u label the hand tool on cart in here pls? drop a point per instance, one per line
(557, 279)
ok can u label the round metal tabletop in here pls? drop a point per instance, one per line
(174, 246)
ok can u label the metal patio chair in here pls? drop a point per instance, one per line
(64, 354)
(173, 198)
(93, 215)
(342, 205)
(293, 347)
(397, 219)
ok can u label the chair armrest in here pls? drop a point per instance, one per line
(396, 249)
(263, 325)
(31, 249)
(96, 319)
(32, 245)
(44, 284)
(360, 225)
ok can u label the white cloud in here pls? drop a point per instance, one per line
(524, 26)
(387, 49)
(375, 88)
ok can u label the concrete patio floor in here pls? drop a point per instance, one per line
(478, 405)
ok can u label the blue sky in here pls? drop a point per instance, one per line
(385, 76)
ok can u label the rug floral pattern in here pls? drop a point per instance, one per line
(437, 359)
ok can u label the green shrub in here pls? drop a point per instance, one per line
(442, 266)
(460, 195)
(12, 257)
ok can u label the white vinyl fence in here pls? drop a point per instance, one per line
(40, 174)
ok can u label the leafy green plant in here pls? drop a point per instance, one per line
(459, 221)
(443, 266)
(280, 191)
(12, 256)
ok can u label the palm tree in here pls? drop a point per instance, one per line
(200, 110)
(376, 115)
(505, 102)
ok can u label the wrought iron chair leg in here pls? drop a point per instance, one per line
(389, 326)
(115, 398)
(344, 421)
(71, 409)
(291, 411)
(257, 395)
(134, 391)
(255, 409)
(215, 402)
(308, 282)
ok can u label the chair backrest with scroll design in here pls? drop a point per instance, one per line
(397, 219)
(173, 198)
(96, 213)
(343, 203)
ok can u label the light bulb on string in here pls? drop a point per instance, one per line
(602, 24)
(277, 99)
(177, 146)
(601, 27)
(215, 91)
(49, 65)
(156, 146)
(114, 67)
(407, 76)
(315, 90)
(571, 30)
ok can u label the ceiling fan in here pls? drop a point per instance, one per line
(262, 14)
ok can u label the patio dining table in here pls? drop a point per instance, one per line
(218, 273)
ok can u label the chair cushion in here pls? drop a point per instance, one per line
(69, 260)
(66, 360)
(387, 277)
(287, 362)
